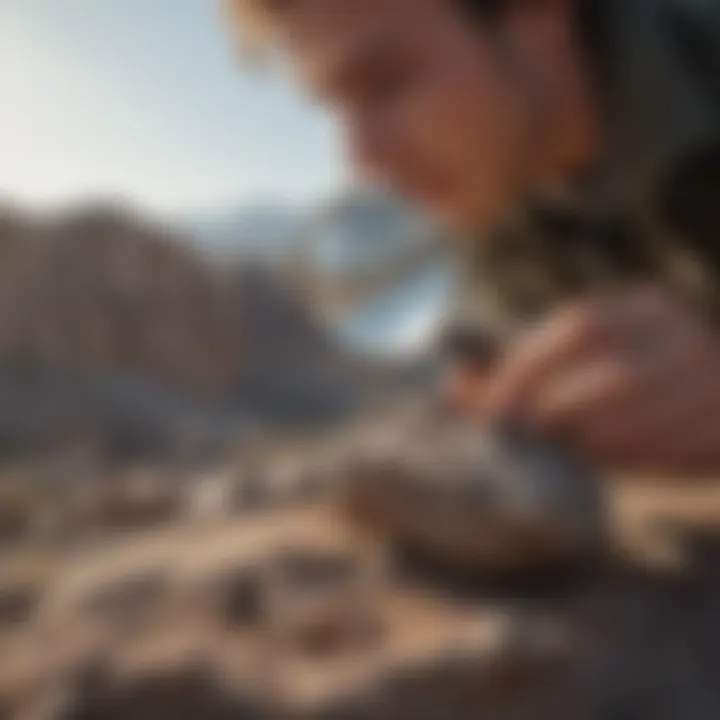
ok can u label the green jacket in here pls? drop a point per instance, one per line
(653, 210)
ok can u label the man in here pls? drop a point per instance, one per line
(578, 143)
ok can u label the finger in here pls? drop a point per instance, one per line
(615, 384)
(638, 317)
(562, 341)
(596, 388)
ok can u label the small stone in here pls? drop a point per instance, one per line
(17, 602)
(228, 590)
(139, 502)
(15, 517)
(254, 492)
(241, 598)
(319, 602)
(114, 597)
(212, 497)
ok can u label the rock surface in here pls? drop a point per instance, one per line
(480, 500)
(288, 610)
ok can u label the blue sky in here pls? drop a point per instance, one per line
(144, 99)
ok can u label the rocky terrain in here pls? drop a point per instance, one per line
(166, 551)
(250, 593)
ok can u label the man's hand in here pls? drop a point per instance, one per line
(630, 381)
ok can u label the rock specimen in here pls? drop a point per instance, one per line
(478, 499)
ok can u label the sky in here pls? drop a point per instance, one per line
(145, 100)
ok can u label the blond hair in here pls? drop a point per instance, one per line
(249, 22)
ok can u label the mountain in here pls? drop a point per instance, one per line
(264, 230)
(351, 232)
(371, 267)
(113, 328)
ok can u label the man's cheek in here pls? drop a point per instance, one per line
(382, 145)
(421, 161)
(462, 133)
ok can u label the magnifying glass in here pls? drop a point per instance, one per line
(380, 278)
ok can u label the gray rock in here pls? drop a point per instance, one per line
(478, 499)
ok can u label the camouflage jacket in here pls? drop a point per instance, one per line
(652, 212)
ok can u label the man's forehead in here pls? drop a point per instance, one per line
(330, 33)
(304, 24)
(340, 12)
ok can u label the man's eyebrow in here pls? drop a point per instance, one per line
(365, 58)
(276, 6)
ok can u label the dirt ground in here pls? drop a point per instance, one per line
(215, 600)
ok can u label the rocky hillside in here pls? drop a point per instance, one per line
(100, 289)
(109, 324)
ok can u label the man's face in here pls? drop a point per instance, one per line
(422, 94)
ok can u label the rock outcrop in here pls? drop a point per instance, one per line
(113, 331)
(101, 289)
